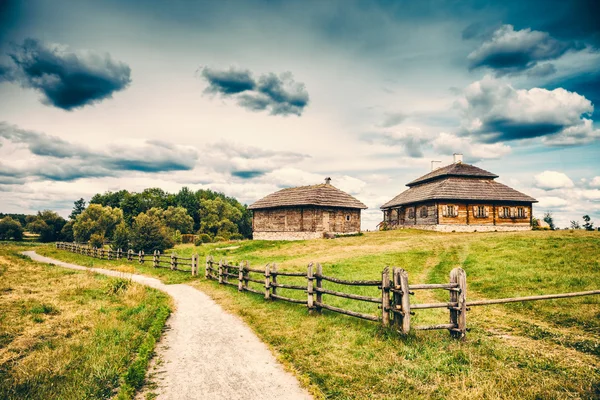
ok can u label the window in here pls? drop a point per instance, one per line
(411, 213)
(505, 212)
(347, 217)
(424, 212)
(479, 211)
(452, 211)
(520, 212)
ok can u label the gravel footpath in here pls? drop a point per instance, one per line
(200, 349)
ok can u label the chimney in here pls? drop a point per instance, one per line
(457, 158)
(435, 165)
(328, 181)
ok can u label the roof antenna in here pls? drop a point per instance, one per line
(328, 181)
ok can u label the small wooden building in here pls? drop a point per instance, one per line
(306, 212)
(459, 197)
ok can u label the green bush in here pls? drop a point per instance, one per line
(236, 236)
(203, 238)
(176, 236)
(219, 239)
(97, 240)
(10, 229)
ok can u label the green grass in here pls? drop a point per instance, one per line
(534, 350)
(73, 335)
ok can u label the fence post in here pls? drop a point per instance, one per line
(246, 275)
(319, 286)
(173, 261)
(404, 301)
(108, 254)
(221, 271)
(385, 297)
(458, 315)
(309, 288)
(241, 277)
(140, 257)
(274, 279)
(102, 253)
(267, 282)
(225, 270)
(194, 265)
(208, 267)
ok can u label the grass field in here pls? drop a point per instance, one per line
(73, 335)
(536, 350)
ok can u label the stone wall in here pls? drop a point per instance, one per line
(469, 228)
(287, 235)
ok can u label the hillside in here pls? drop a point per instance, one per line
(547, 349)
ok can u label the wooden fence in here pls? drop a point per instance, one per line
(158, 260)
(393, 301)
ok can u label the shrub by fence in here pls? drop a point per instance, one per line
(393, 301)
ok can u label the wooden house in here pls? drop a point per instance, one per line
(306, 212)
(459, 197)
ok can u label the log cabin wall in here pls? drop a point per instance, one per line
(307, 219)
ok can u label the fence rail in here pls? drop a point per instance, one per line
(171, 261)
(394, 301)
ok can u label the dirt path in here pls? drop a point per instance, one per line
(200, 350)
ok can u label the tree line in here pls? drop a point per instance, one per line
(149, 220)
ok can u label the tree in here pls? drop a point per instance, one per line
(549, 220)
(218, 216)
(96, 219)
(79, 207)
(10, 229)
(575, 225)
(178, 219)
(148, 233)
(121, 237)
(48, 224)
(66, 233)
(588, 226)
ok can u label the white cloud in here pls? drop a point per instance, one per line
(595, 182)
(494, 111)
(447, 143)
(552, 202)
(549, 180)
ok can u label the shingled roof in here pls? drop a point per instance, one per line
(315, 195)
(458, 182)
(456, 169)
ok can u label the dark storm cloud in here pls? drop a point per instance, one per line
(247, 174)
(67, 80)
(509, 51)
(228, 82)
(281, 95)
(64, 161)
(507, 129)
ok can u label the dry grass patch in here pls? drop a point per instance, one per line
(68, 334)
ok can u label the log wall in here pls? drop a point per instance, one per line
(306, 219)
(467, 215)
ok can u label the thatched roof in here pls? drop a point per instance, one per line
(458, 182)
(315, 195)
(456, 169)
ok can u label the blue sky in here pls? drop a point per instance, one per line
(249, 97)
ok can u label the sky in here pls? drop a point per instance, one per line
(250, 97)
